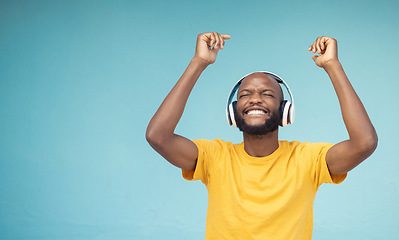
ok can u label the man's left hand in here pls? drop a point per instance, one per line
(327, 48)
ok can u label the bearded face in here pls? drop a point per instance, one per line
(270, 125)
(259, 98)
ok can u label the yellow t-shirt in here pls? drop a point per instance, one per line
(261, 197)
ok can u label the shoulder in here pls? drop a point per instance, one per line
(213, 144)
(304, 146)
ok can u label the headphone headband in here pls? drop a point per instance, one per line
(290, 107)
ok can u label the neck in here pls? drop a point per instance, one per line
(261, 145)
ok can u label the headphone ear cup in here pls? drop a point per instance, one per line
(228, 114)
(232, 113)
(291, 117)
(285, 113)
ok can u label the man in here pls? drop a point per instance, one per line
(262, 188)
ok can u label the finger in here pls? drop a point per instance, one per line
(217, 42)
(205, 37)
(314, 46)
(225, 36)
(221, 41)
(323, 43)
(311, 47)
(212, 40)
(318, 45)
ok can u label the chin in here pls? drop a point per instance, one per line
(255, 122)
(258, 127)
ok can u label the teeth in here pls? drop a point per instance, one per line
(252, 112)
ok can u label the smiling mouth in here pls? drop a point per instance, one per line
(256, 112)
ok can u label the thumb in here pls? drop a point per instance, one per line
(314, 57)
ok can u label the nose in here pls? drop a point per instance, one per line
(255, 98)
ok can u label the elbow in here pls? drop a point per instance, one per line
(372, 142)
(148, 135)
(154, 138)
(369, 145)
(151, 137)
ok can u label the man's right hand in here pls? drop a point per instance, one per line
(208, 45)
(160, 133)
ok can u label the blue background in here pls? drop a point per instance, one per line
(80, 80)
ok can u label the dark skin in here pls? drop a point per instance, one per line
(259, 92)
(177, 149)
(183, 153)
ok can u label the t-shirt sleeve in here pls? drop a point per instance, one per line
(202, 168)
(320, 171)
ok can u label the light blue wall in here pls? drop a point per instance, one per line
(79, 81)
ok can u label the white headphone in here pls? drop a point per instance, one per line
(287, 108)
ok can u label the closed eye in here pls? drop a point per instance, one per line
(268, 95)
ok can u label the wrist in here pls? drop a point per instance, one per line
(200, 62)
(331, 65)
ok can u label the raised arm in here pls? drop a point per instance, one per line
(179, 150)
(362, 142)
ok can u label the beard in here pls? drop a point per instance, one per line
(270, 124)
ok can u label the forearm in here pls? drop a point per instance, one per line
(360, 129)
(345, 155)
(165, 120)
